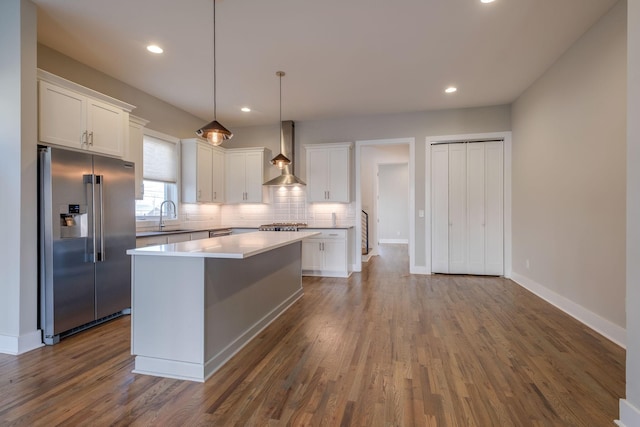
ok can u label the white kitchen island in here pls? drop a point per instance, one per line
(197, 303)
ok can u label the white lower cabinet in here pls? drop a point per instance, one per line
(326, 254)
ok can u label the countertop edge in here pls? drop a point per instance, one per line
(197, 248)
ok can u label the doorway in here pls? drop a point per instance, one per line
(370, 156)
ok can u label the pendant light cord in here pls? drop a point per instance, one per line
(214, 59)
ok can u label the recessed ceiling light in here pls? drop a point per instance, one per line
(451, 89)
(154, 48)
(245, 109)
(487, 1)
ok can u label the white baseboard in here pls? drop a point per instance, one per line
(21, 344)
(414, 269)
(629, 415)
(398, 241)
(604, 327)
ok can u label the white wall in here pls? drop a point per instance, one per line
(393, 203)
(370, 157)
(630, 408)
(569, 179)
(18, 252)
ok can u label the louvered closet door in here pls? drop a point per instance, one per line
(476, 208)
(458, 209)
(440, 208)
(494, 208)
(467, 208)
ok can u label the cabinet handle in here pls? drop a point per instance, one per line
(215, 195)
(85, 138)
(142, 189)
(199, 194)
(328, 195)
(91, 138)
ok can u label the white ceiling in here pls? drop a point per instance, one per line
(342, 57)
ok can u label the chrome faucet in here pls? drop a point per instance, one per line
(175, 212)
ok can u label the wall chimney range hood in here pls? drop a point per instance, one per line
(287, 149)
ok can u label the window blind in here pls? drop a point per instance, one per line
(160, 160)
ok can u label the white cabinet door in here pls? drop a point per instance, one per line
(335, 255)
(312, 257)
(440, 208)
(199, 235)
(328, 173)
(217, 165)
(317, 174)
(177, 238)
(204, 175)
(234, 177)
(105, 124)
(71, 119)
(338, 175)
(142, 242)
(244, 175)
(254, 177)
(62, 116)
(136, 135)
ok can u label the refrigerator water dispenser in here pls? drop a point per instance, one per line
(73, 221)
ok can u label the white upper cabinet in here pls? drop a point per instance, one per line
(136, 136)
(73, 116)
(244, 175)
(202, 172)
(328, 172)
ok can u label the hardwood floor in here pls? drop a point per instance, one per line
(382, 348)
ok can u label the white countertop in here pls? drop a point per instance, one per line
(236, 246)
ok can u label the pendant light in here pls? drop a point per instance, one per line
(214, 131)
(280, 161)
(287, 176)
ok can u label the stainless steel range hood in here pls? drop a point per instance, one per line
(287, 149)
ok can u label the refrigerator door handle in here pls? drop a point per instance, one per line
(91, 182)
(100, 182)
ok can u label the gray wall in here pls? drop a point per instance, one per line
(18, 171)
(633, 217)
(569, 173)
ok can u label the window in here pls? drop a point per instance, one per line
(160, 174)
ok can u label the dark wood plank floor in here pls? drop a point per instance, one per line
(382, 348)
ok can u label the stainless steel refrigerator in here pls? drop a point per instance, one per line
(86, 224)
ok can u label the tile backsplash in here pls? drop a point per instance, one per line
(288, 204)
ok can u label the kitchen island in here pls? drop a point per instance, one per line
(197, 303)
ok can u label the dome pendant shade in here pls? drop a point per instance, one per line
(214, 132)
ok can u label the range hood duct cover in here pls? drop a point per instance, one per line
(287, 149)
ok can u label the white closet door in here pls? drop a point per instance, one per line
(476, 207)
(458, 209)
(440, 208)
(494, 216)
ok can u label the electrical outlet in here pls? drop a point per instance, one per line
(526, 263)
